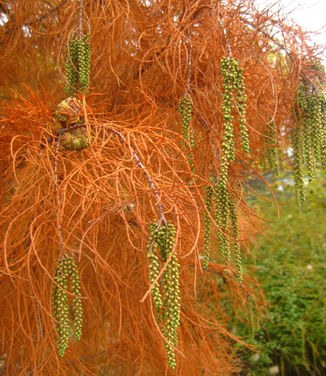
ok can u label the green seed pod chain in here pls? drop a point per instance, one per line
(60, 307)
(225, 213)
(309, 157)
(309, 154)
(72, 67)
(60, 303)
(207, 223)
(229, 74)
(154, 267)
(84, 63)
(303, 154)
(222, 212)
(323, 129)
(78, 66)
(298, 164)
(241, 100)
(236, 245)
(185, 111)
(316, 115)
(75, 289)
(308, 140)
(164, 238)
(233, 90)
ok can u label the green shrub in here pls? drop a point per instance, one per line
(290, 264)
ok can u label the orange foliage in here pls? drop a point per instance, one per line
(145, 56)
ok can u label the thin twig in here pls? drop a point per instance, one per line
(63, 130)
(147, 175)
(189, 63)
(58, 194)
(80, 19)
(46, 15)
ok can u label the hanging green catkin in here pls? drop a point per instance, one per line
(154, 267)
(301, 143)
(81, 64)
(185, 123)
(233, 89)
(78, 66)
(173, 299)
(309, 140)
(188, 108)
(236, 245)
(272, 148)
(228, 74)
(221, 210)
(207, 223)
(308, 147)
(66, 268)
(77, 304)
(317, 127)
(224, 207)
(310, 159)
(190, 136)
(185, 110)
(298, 164)
(71, 82)
(72, 68)
(241, 100)
(170, 281)
(61, 307)
(84, 55)
(323, 129)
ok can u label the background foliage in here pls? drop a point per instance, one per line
(289, 263)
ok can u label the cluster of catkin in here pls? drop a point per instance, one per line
(165, 290)
(78, 66)
(226, 217)
(234, 100)
(67, 269)
(309, 136)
